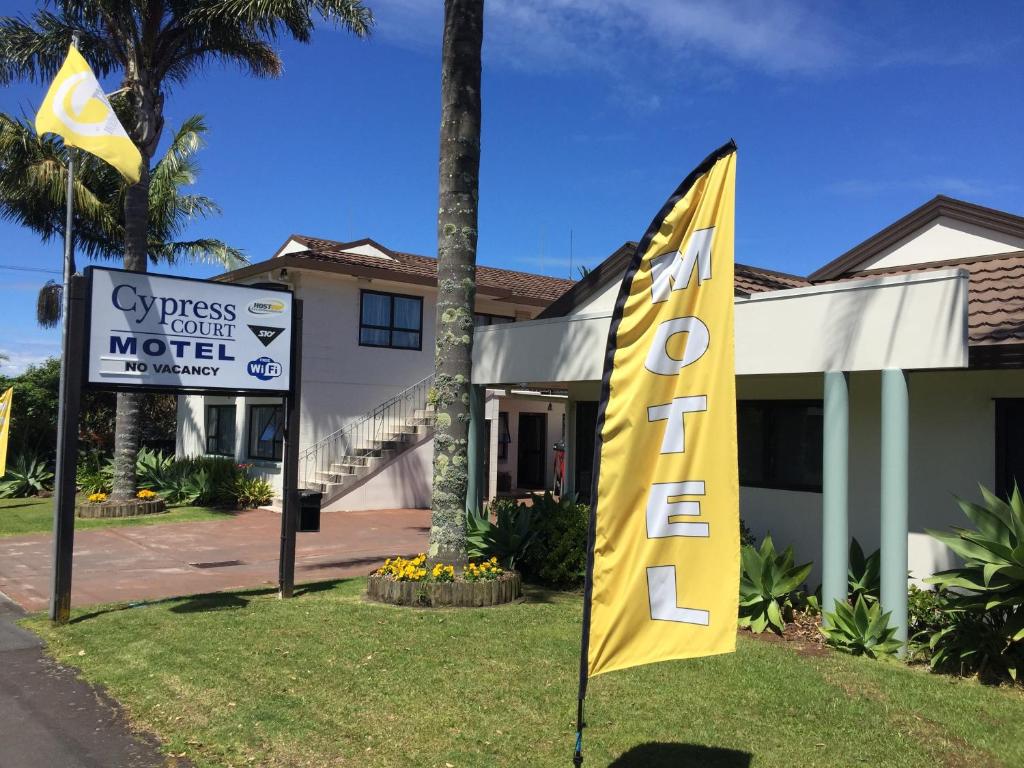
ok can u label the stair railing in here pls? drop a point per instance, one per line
(363, 435)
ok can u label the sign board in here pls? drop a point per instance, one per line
(150, 331)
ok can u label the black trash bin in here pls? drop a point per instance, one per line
(309, 511)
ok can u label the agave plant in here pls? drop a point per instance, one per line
(987, 591)
(507, 538)
(29, 476)
(861, 629)
(768, 586)
(865, 573)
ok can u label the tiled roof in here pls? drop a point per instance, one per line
(756, 280)
(995, 295)
(490, 280)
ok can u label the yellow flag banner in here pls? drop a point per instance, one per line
(6, 400)
(663, 567)
(76, 109)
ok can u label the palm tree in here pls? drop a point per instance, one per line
(456, 271)
(154, 44)
(33, 178)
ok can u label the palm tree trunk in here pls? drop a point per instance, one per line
(128, 427)
(456, 272)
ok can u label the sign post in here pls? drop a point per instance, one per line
(141, 332)
(290, 492)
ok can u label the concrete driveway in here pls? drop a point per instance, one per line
(150, 562)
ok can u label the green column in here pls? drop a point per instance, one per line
(895, 497)
(476, 448)
(835, 523)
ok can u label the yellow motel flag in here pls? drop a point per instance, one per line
(76, 108)
(6, 399)
(664, 564)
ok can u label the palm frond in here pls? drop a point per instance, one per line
(36, 51)
(50, 304)
(201, 251)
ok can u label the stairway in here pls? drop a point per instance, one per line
(345, 459)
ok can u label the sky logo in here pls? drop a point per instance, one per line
(264, 369)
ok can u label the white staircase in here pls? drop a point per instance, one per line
(348, 457)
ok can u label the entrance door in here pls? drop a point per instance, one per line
(586, 432)
(533, 438)
(1009, 446)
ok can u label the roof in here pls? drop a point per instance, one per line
(995, 295)
(748, 280)
(940, 205)
(337, 257)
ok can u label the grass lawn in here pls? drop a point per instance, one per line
(326, 679)
(33, 515)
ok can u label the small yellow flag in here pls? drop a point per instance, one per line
(5, 427)
(76, 108)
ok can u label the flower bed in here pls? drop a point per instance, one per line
(101, 508)
(410, 582)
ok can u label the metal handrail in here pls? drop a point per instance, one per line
(359, 440)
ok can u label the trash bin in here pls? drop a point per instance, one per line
(309, 511)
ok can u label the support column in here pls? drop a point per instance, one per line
(895, 455)
(569, 484)
(835, 526)
(475, 448)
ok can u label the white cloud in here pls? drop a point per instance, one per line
(22, 354)
(610, 35)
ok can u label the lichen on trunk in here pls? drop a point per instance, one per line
(459, 175)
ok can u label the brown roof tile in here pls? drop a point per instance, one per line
(490, 280)
(756, 280)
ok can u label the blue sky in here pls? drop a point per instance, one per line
(847, 115)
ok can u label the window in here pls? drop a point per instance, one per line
(482, 318)
(390, 320)
(266, 432)
(504, 438)
(780, 444)
(1009, 448)
(220, 430)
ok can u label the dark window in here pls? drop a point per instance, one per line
(482, 318)
(504, 438)
(220, 430)
(266, 432)
(1009, 446)
(780, 444)
(390, 320)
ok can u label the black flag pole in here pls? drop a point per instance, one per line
(67, 422)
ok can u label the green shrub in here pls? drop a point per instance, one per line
(861, 629)
(557, 556)
(928, 612)
(252, 492)
(746, 535)
(93, 474)
(769, 585)
(865, 574)
(986, 593)
(29, 476)
(153, 468)
(508, 538)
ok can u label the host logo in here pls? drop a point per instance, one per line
(264, 369)
(266, 307)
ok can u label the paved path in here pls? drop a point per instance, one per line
(50, 719)
(150, 562)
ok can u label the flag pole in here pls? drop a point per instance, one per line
(67, 443)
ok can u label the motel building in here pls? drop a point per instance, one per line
(870, 393)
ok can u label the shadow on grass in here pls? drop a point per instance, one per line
(663, 755)
(210, 601)
(213, 602)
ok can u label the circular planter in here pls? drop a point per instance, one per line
(131, 508)
(455, 594)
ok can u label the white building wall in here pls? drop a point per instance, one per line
(952, 450)
(944, 239)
